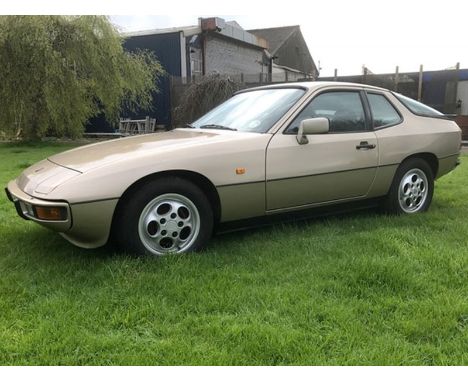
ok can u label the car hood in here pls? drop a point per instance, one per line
(96, 155)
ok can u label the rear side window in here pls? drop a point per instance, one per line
(418, 107)
(383, 113)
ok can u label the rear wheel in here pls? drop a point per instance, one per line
(168, 215)
(412, 188)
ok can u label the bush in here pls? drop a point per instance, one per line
(203, 95)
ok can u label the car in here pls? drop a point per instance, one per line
(266, 151)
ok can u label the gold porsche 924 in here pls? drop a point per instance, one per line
(268, 150)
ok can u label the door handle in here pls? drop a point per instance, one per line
(364, 145)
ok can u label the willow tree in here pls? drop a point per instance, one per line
(56, 72)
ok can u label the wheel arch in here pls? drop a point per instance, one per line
(196, 178)
(430, 158)
(389, 203)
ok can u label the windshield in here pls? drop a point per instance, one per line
(254, 111)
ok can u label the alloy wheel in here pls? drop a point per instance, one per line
(170, 223)
(412, 191)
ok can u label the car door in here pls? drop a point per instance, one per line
(338, 165)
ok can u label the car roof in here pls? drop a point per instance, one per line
(314, 85)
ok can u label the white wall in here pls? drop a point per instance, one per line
(231, 57)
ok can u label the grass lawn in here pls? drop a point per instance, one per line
(360, 288)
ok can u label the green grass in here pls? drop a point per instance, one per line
(357, 289)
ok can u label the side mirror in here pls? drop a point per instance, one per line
(311, 126)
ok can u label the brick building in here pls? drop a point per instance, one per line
(214, 46)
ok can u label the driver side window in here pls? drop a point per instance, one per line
(343, 109)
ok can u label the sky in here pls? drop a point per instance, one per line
(341, 34)
(387, 34)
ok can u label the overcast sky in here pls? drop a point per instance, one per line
(342, 34)
(380, 36)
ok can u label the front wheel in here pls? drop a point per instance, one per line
(168, 215)
(412, 188)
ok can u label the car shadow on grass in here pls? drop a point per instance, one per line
(358, 219)
(41, 245)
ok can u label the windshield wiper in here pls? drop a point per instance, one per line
(219, 127)
(188, 125)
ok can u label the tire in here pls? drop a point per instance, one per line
(165, 216)
(412, 188)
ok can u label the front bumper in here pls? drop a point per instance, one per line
(25, 205)
(87, 224)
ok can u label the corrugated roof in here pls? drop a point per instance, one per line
(275, 36)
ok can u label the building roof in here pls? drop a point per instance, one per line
(289, 48)
(233, 30)
(275, 36)
(188, 31)
(216, 25)
(234, 23)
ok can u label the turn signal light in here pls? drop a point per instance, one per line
(50, 213)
